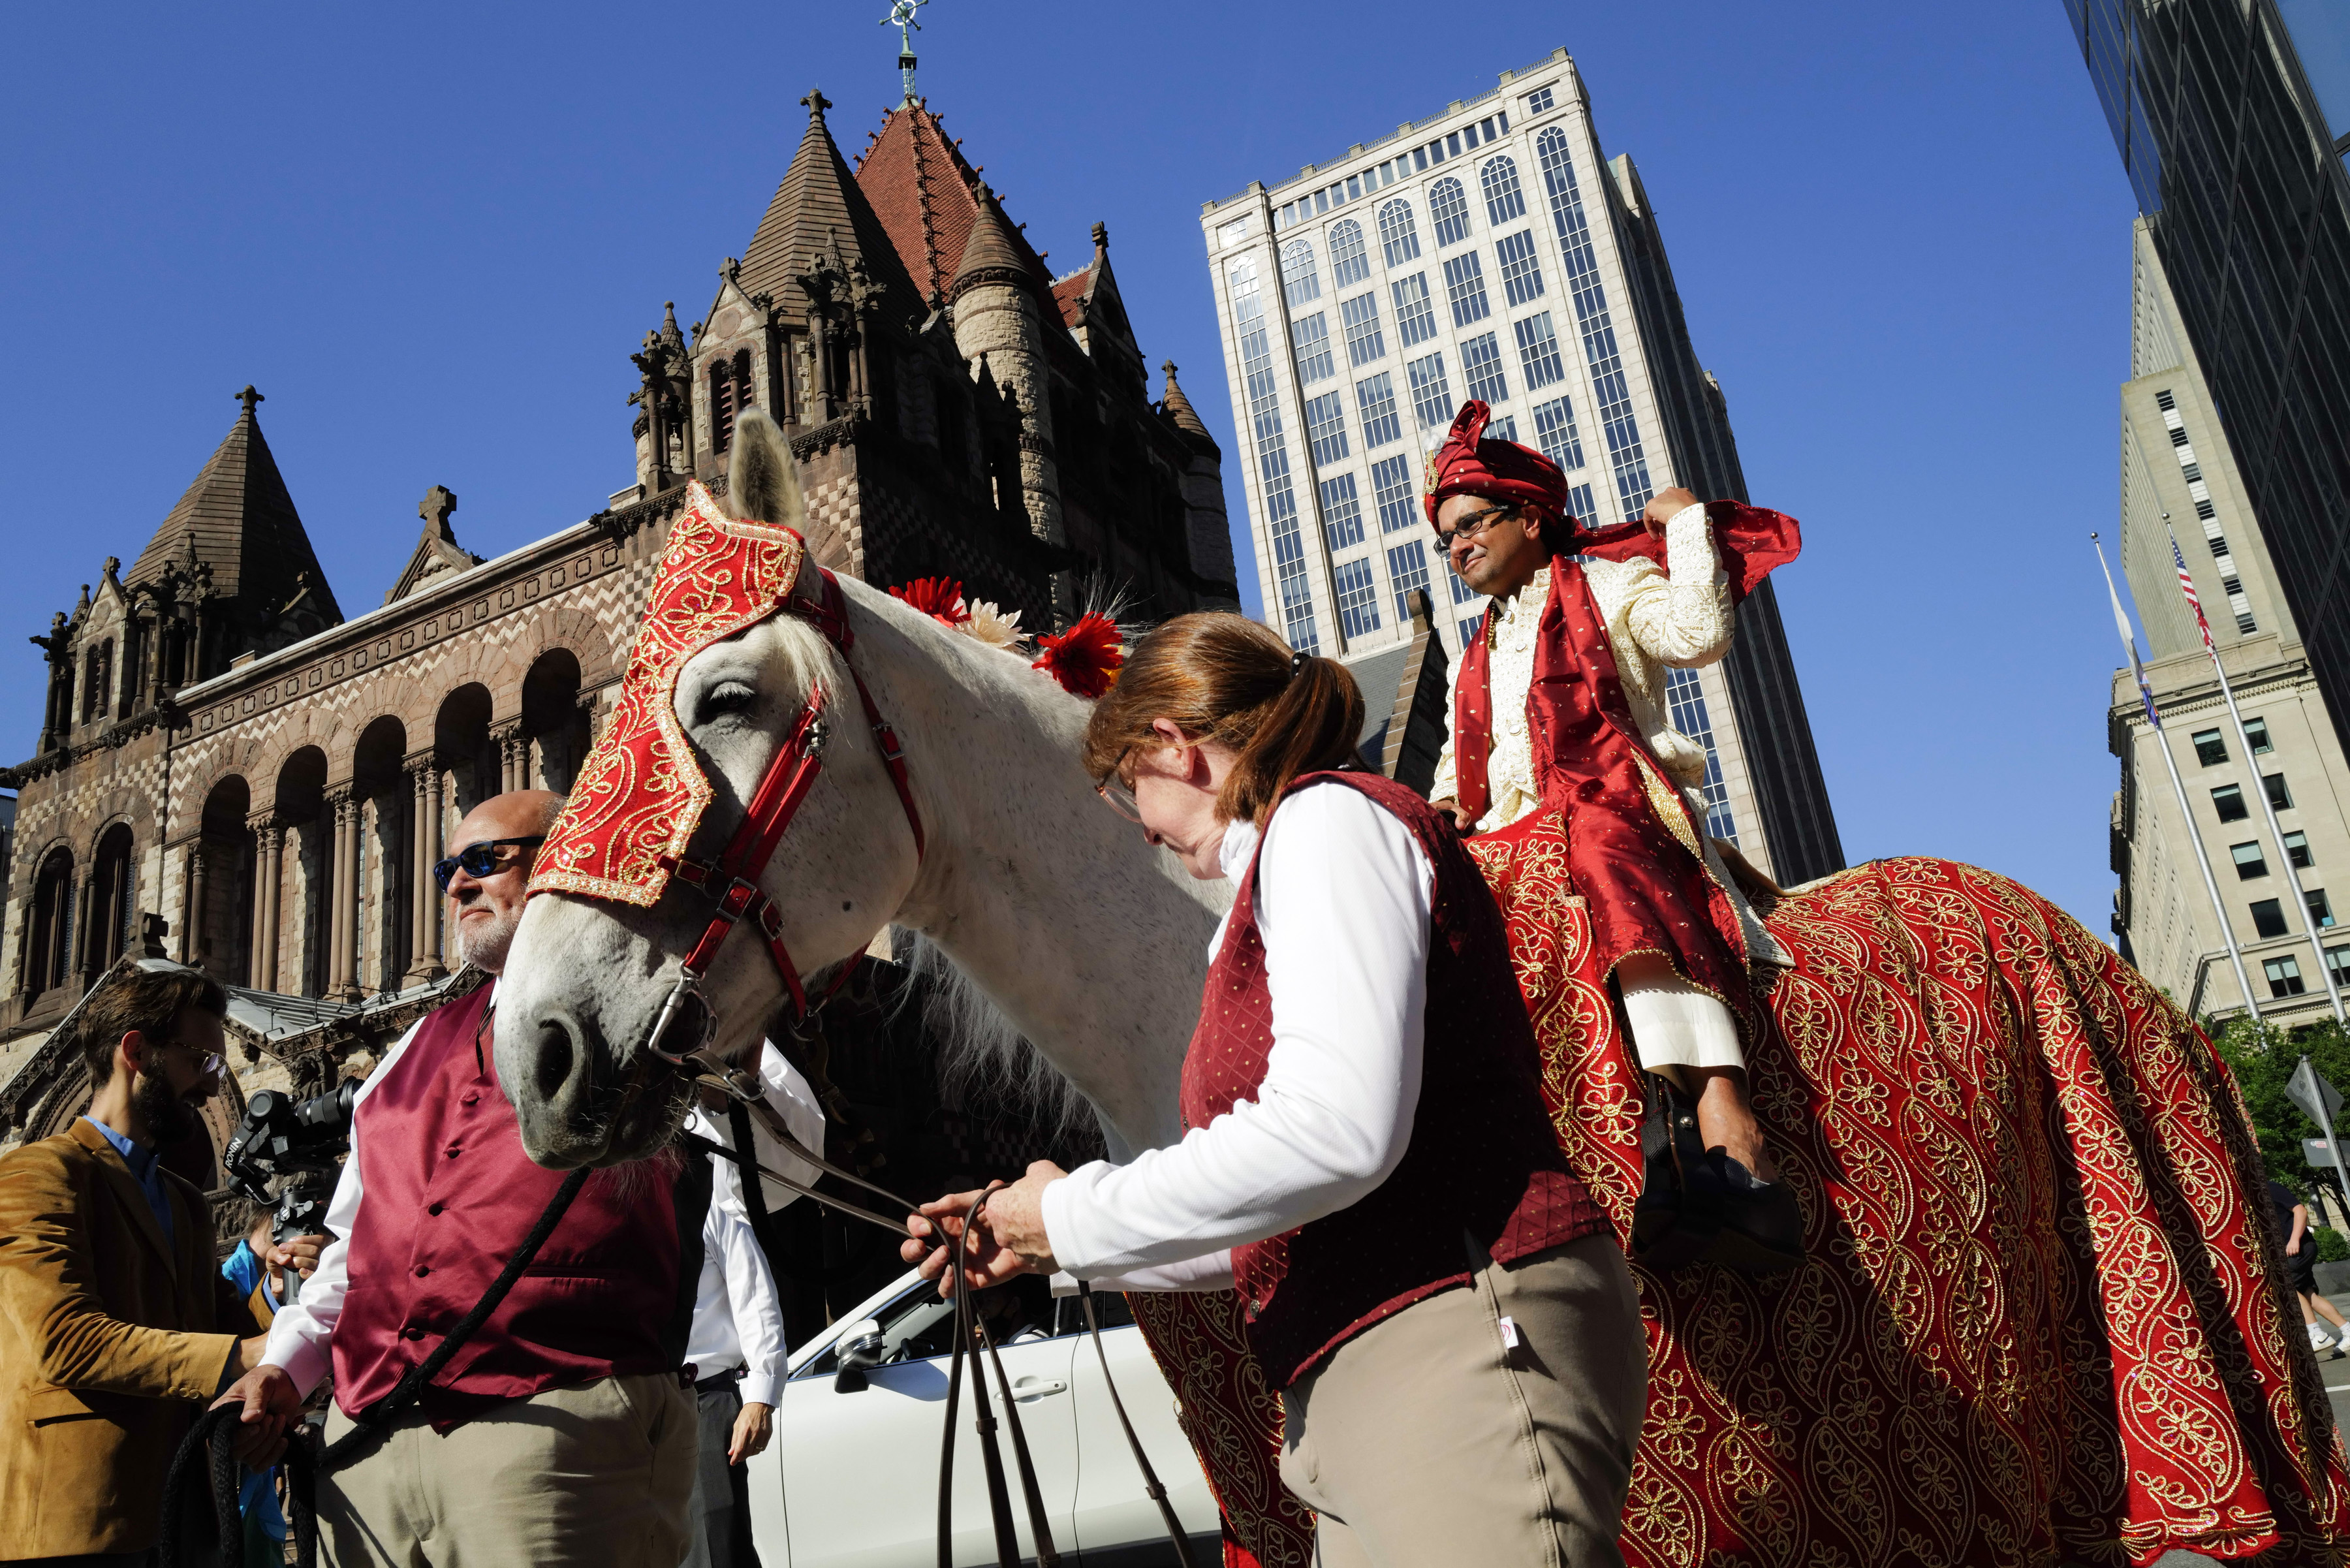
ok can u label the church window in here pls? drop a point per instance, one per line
(1408, 570)
(1325, 428)
(1431, 393)
(1554, 433)
(1375, 400)
(1350, 262)
(1365, 343)
(1398, 498)
(1521, 273)
(1503, 200)
(1480, 363)
(98, 671)
(2209, 750)
(1449, 203)
(2228, 800)
(2285, 976)
(1464, 286)
(1415, 318)
(48, 952)
(1342, 516)
(2251, 864)
(1299, 281)
(1310, 339)
(730, 394)
(1358, 598)
(1398, 234)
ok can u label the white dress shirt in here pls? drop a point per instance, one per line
(1343, 895)
(738, 1318)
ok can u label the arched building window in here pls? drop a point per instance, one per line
(48, 942)
(730, 394)
(109, 897)
(1398, 234)
(1348, 261)
(1449, 203)
(1299, 281)
(1503, 200)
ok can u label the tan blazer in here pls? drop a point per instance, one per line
(110, 1340)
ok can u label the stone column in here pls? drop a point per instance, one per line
(424, 840)
(343, 890)
(513, 754)
(268, 849)
(199, 941)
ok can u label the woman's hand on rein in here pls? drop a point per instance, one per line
(1010, 1239)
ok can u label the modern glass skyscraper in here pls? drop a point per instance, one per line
(1488, 252)
(2234, 121)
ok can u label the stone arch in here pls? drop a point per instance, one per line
(461, 741)
(299, 856)
(218, 911)
(383, 820)
(554, 726)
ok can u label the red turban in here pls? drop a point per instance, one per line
(1470, 464)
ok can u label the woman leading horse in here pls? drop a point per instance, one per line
(1367, 1158)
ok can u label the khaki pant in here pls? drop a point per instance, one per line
(591, 1477)
(1424, 1441)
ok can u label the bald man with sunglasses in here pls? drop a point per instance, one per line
(563, 1432)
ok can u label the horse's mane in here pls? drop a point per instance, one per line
(979, 1047)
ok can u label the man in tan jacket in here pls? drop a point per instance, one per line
(115, 1323)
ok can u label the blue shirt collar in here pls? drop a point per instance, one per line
(137, 1156)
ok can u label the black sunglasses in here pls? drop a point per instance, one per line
(478, 860)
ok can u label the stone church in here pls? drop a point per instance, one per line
(235, 773)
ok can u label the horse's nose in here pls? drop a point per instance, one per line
(557, 1080)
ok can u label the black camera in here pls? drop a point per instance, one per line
(298, 1144)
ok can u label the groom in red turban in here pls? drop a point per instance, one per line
(1561, 739)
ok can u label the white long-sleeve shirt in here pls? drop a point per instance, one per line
(301, 1334)
(1343, 896)
(738, 1317)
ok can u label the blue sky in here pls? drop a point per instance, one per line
(431, 235)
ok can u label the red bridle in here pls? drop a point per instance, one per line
(732, 880)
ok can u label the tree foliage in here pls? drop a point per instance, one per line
(2262, 1057)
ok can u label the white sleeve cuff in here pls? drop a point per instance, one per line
(762, 1388)
(304, 1362)
(1688, 544)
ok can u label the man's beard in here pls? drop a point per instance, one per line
(169, 1118)
(484, 946)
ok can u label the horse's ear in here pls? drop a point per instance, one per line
(763, 483)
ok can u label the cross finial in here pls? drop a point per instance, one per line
(437, 503)
(901, 17)
(249, 397)
(816, 103)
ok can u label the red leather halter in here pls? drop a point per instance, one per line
(732, 880)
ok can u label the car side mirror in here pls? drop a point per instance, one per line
(861, 1349)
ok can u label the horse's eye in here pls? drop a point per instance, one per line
(727, 697)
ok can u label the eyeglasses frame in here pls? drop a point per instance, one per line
(444, 871)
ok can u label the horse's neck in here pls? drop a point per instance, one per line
(1091, 942)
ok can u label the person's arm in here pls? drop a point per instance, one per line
(1208, 1272)
(1685, 618)
(750, 1296)
(48, 1288)
(1342, 897)
(2300, 1229)
(300, 1334)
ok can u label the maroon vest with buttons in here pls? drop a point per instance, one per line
(1482, 1163)
(449, 1195)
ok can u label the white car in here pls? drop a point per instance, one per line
(851, 1477)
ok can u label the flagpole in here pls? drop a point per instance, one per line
(2162, 744)
(2260, 784)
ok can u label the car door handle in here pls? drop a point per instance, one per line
(1037, 1387)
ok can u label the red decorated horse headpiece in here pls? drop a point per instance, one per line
(640, 793)
(1469, 461)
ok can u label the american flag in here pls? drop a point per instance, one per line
(2187, 586)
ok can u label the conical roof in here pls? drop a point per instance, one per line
(1183, 415)
(990, 247)
(930, 198)
(238, 519)
(819, 209)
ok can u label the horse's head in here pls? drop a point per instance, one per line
(590, 971)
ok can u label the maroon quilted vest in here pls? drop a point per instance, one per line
(449, 1196)
(1483, 1163)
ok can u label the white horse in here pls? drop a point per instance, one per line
(1090, 942)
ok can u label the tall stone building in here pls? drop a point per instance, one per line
(232, 774)
(2180, 474)
(1488, 251)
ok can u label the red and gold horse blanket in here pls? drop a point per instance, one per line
(2041, 1320)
